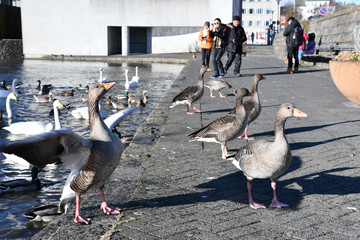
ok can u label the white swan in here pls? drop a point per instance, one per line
(101, 79)
(127, 83)
(136, 78)
(4, 93)
(36, 127)
(8, 113)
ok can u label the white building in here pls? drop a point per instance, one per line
(257, 16)
(101, 28)
(307, 7)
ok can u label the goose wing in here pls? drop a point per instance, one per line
(215, 127)
(115, 118)
(56, 146)
(186, 93)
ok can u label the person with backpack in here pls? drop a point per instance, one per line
(294, 39)
(234, 47)
(219, 34)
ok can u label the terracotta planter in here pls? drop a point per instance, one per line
(346, 76)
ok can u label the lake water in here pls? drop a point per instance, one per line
(156, 78)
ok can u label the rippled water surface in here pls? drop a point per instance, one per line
(156, 78)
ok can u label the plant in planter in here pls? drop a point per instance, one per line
(345, 72)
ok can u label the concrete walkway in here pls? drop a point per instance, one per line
(170, 188)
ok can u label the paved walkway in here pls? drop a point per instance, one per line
(170, 188)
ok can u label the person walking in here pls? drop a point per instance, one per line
(234, 47)
(205, 44)
(292, 48)
(219, 34)
(252, 37)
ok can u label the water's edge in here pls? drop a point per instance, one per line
(132, 164)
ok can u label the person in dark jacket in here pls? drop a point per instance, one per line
(291, 49)
(220, 35)
(234, 47)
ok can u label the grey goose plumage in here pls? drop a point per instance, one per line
(263, 159)
(191, 94)
(253, 105)
(91, 160)
(226, 128)
(218, 85)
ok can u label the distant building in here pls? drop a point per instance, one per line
(100, 28)
(257, 16)
(307, 7)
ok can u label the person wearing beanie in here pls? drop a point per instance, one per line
(234, 47)
(220, 35)
(206, 43)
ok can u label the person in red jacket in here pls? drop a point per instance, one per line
(302, 47)
(205, 44)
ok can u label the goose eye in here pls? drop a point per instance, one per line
(288, 107)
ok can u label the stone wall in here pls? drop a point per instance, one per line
(341, 27)
(11, 49)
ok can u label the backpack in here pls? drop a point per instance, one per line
(297, 38)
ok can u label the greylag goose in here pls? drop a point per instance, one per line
(226, 128)
(91, 160)
(45, 213)
(44, 98)
(139, 100)
(252, 106)
(191, 94)
(217, 85)
(263, 159)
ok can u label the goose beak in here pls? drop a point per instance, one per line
(298, 113)
(107, 86)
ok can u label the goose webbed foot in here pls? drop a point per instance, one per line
(255, 205)
(220, 95)
(108, 210)
(80, 219)
(277, 204)
(249, 138)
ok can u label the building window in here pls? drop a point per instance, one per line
(258, 23)
(242, 23)
(259, 0)
(252, 0)
(243, 11)
(251, 11)
(250, 23)
(244, 0)
(268, 11)
(267, 23)
(259, 11)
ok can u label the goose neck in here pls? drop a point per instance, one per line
(279, 126)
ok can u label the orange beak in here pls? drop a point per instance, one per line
(107, 86)
(298, 113)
